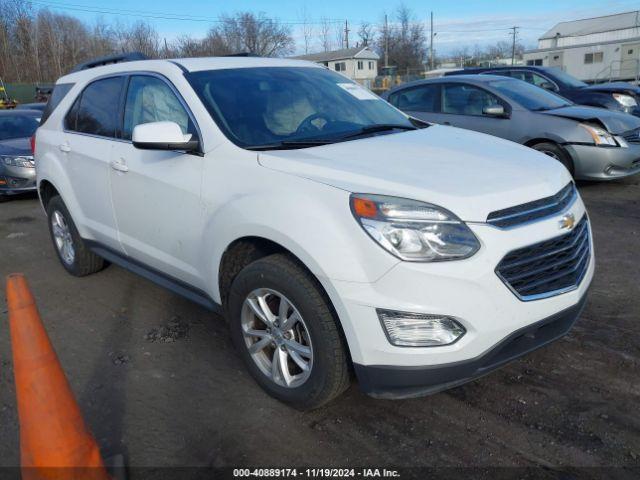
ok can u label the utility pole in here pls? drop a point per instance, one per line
(386, 41)
(513, 45)
(346, 32)
(431, 45)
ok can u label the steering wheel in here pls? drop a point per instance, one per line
(307, 127)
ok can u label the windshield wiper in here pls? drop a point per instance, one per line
(291, 144)
(315, 142)
(381, 127)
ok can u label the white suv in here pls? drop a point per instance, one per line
(334, 233)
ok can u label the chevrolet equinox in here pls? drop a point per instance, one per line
(336, 235)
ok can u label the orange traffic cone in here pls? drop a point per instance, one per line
(54, 440)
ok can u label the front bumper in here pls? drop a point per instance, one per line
(16, 180)
(604, 163)
(408, 382)
(468, 290)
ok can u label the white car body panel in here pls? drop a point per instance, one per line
(444, 166)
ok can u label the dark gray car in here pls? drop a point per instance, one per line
(17, 168)
(593, 143)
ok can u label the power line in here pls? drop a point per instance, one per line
(197, 18)
(159, 15)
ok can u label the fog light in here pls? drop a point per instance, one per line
(419, 330)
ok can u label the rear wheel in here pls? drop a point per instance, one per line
(284, 328)
(556, 152)
(72, 251)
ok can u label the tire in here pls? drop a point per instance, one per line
(81, 261)
(556, 152)
(274, 278)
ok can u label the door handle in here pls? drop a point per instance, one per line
(119, 166)
(64, 148)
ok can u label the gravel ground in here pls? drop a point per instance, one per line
(158, 380)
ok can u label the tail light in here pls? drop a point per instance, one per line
(33, 143)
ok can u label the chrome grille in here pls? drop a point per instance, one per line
(548, 268)
(536, 210)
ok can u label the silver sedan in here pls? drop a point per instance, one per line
(17, 167)
(593, 143)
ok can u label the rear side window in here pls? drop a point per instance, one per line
(95, 111)
(424, 98)
(59, 92)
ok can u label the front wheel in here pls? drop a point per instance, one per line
(556, 152)
(284, 328)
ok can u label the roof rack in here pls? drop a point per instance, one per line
(109, 59)
(241, 54)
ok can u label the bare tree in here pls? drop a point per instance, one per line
(326, 40)
(406, 40)
(365, 33)
(256, 34)
(307, 28)
(338, 29)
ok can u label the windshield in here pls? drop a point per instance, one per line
(17, 126)
(567, 79)
(529, 96)
(266, 106)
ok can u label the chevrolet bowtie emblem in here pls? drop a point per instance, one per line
(568, 221)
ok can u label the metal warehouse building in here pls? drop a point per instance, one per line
(593, 49)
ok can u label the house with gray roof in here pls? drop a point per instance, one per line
(357, 63)
(593, 49)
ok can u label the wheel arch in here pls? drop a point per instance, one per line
(46, 191)
(537, 141)
(245, 250)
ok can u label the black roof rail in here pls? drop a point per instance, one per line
(241, 54)
(109, 59)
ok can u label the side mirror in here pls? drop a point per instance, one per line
(162, 136)
(494, 111)
(548, 86)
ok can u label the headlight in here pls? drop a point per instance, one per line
(600, 135)
(412, 230)
(626, 101)
(24, 161)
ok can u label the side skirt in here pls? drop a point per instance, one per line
(176, 286)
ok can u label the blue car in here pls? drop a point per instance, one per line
(621, 96)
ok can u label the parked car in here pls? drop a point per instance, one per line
(31, 106)
(17, 168)
(621, 96)
(592, 143)
(331, 232)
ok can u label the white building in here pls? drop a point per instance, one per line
(593, 49)
(358, 63)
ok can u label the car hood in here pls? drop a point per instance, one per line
(468, 173)
(614, 122)
(15, 146)
(614, 87)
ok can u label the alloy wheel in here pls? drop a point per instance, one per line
(62, 238)
(277, 337)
